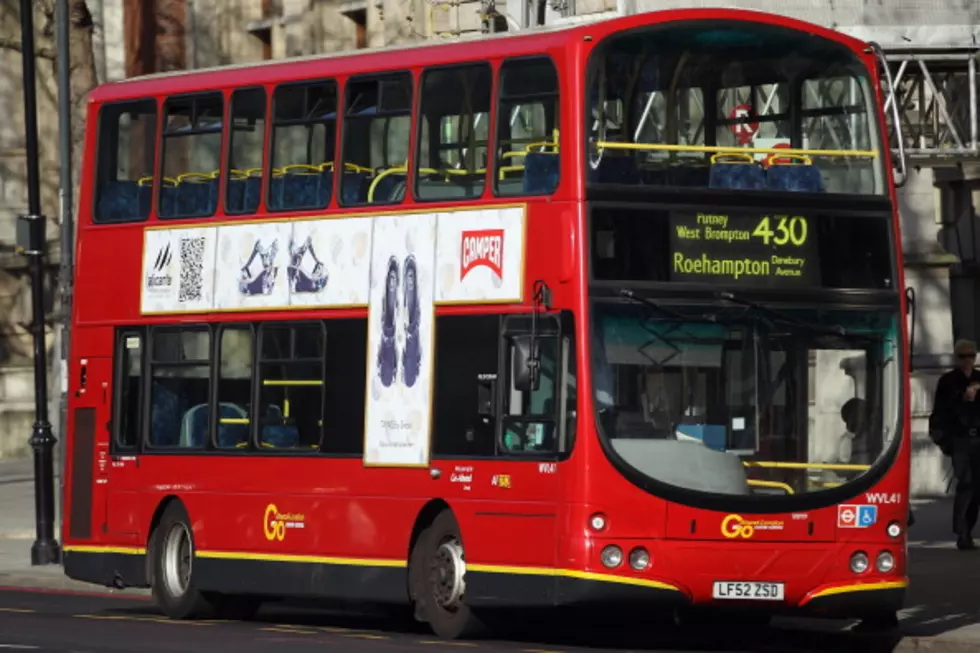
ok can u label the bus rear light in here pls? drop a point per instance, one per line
(612, 556)
(885, 562)
(639, 558)
(597, 521)
(859, 562)
(894, 529)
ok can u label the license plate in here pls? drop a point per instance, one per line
(748, 591)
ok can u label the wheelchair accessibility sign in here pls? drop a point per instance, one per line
(856, 516)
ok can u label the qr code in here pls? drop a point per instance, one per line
(191, 269)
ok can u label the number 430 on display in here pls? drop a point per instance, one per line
(788, 230)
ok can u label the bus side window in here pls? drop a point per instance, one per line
(343, 429)
(191, 154)
(530, 418)
(527, 161)
(453, 133)
(291, 389)
(128, 390)
(466, 362)
(303, 135)
(126, 154)
(235, 361)
(246, 147)
(377, 131)
(180, 387)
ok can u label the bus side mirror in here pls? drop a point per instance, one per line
(525, 371)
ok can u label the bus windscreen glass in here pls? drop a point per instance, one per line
(737, 400)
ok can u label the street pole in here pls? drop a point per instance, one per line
(62, 14)
(31, 240)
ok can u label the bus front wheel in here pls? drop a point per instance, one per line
(439, 580)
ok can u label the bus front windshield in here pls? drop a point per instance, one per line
(745, 400)
(710, 104)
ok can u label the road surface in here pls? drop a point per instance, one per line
(58, 622)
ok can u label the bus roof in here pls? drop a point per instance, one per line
(535, 41)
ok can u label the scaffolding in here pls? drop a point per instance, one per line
(935, 91)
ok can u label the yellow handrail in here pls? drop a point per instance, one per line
(775, 484)
(297, 382)
(663, 147)
(828, 466)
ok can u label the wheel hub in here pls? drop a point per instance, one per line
(177, 560)
(448, 571)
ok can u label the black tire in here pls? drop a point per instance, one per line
(172, 551)
(438, 593)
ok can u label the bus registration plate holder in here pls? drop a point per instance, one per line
(748, 591)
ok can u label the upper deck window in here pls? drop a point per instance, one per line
(246, 146)
(454, 129)
(527, 127)
(710, 104)
(377, 133)
(127, 150)
(191, 156)
(304, 133)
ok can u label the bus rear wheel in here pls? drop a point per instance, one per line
(172, 549)
(439, 580)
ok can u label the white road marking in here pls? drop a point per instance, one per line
(20, 647)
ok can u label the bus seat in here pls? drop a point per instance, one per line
(301, 189)
(275, 434)
(801, 178)
(741, 175)
(243, 194)
(164, 409)
(616, 170)
(354, 187)
(387, 189)
(124, 200)
(194, 427)
(541, 172)
(193, 196)
(231, 435)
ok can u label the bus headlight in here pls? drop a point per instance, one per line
(859, 562)
(639, 558)
(885, 562)
(611, 556)
(597, 521)
(894, 529)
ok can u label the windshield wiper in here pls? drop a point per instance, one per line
(832, 329)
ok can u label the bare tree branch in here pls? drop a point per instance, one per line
(14, 44)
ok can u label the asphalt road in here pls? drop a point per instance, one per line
(48, 622)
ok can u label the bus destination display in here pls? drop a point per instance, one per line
(764, 250)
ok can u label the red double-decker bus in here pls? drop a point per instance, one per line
(606, 314)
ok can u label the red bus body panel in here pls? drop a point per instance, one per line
(525, 523)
